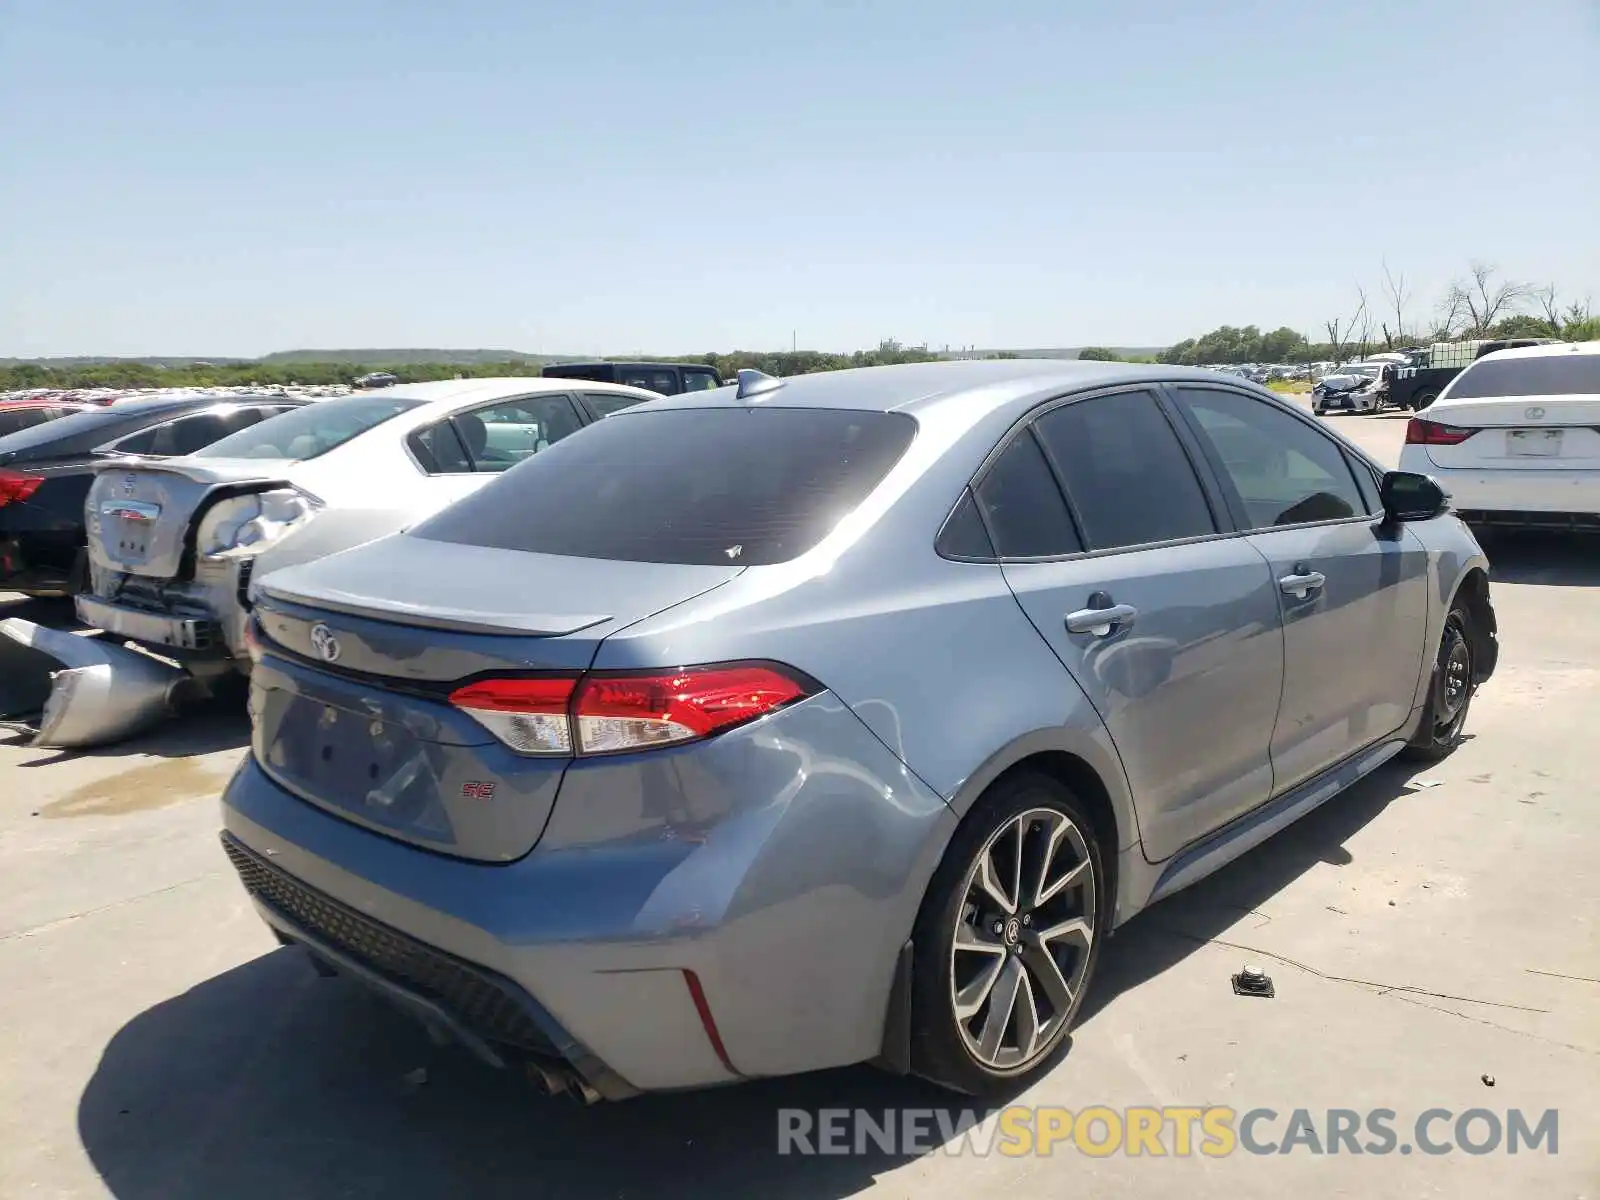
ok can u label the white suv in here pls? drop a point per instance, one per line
(1515, 438)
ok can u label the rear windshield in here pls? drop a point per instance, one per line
(702, 486)
(1547, 375)
(310, 431)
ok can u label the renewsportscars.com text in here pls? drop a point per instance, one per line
(1168, 1131)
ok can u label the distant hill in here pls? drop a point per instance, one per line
(1056, 352)
(402, 358)
(168, 362)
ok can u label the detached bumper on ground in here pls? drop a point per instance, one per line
(72, 692)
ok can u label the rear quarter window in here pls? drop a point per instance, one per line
(707, 486)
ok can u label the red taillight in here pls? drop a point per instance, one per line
(1431, 433)
(614, 713)
(529, 715)
(16, 486)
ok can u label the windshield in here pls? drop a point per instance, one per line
(310, 431)
(704, 486)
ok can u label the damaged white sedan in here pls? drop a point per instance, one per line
(174, 544)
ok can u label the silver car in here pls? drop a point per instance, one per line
(837, 718)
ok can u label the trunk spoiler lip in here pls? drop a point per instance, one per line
(454, 620)
(195, 472)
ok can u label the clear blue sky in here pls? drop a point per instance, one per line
(228, 178)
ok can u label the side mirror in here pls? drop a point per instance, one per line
(1408, 496)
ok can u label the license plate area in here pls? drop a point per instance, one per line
(376, 770)
(1533, 443)
(128, 526)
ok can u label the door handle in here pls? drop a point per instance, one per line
(1302, 582)
(1102, 621)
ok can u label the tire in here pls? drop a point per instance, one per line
(1421, 402)
(1039, 953)
(1450, 690)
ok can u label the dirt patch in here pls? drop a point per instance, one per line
(141, 789)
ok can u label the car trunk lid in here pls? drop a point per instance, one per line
(350, 697)
(1537, 433)
(140, 511)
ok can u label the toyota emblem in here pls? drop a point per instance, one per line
(324, 643)
(1533, 414)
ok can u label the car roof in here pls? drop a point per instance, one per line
(34, 402)
(981, 385)
(451, 394)
(630, 362)
(1548, 351)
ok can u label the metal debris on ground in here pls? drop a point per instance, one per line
(69, 691)
(1253, 981)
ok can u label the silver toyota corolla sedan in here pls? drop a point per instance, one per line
(837, 718)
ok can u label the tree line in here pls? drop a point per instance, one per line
(1483, 303)
(132, 374)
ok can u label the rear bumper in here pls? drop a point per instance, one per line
(1558, 499)
(698, 948)
(195, 635)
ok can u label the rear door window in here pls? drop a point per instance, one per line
(1128, 476)
(1548, 375)
(708, 486)
(504, 434)
(1024, 506)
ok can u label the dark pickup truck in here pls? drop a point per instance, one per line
(1418, 384)
(669, 379)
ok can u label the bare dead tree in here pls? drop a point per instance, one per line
(1342, 334)
(1452, 316)
(1549, 307)
(1478, 302)
(1396, 292)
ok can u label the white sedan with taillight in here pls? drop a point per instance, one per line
(1515, 439)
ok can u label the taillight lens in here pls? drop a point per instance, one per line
(1431, 433)
(16, 486)
(619, 712)
(529, 715)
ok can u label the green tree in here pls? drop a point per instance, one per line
(1100, 354)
